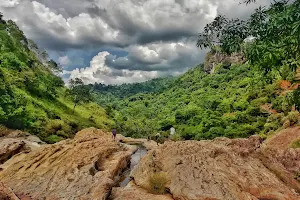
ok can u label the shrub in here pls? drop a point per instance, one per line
(271, 126)
(293, 117)
(53, 139)
(157, 183)
(295, 144)
(286, 124)
(53, 126)
(62, 134)
(176, 137)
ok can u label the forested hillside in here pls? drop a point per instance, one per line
(256, 96)
(32, 97)
(106, 93)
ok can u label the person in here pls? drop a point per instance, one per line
(114, 133)
(157, 136)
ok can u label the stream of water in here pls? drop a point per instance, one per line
(135, 158)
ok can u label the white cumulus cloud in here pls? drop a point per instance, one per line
(99, 72)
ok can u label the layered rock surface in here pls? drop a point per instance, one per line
(133, 192)
(87, 167)
(82, 168)
(13, 142)
(281, 159)
(6, 193)
(222, 169)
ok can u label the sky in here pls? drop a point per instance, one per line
(120, 41)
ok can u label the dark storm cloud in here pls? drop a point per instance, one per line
(157, 36)
(115, 22)
(158, 57)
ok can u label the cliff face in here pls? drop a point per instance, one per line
(87, 167)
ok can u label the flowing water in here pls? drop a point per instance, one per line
(135, 158)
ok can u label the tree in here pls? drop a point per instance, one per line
(228, 34)
(54, 66)
(80, 92)
(2, 21)
(276, 31)
(249, 1)
(278, 45)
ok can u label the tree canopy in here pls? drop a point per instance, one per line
(274, 32)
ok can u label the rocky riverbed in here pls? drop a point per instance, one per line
(89, 167)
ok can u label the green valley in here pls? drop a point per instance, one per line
(246, 85)
(253, 93)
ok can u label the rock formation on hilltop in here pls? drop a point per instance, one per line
(214, 58)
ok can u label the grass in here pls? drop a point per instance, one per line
(56, 120)
(85, 115)
(157, 183)
(295, 144)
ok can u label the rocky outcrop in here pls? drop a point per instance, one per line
(10, 147)
(217, 170)
(214, 59)
(6, 193)
(281, 159)
(148, 144)
(82, 168)
(13, 142)
(87, 167)
(133, 192)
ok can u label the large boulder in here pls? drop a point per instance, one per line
(221, 169)
(10, 147)
(13, 142)
(82, 168)
(281, 158)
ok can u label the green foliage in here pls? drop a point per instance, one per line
(32, 97)
(278, 44)
(80, 92)
(51, 139)
(104, 94)
(275, 33)
(296, 97)
(199, 106)
(293, 118)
